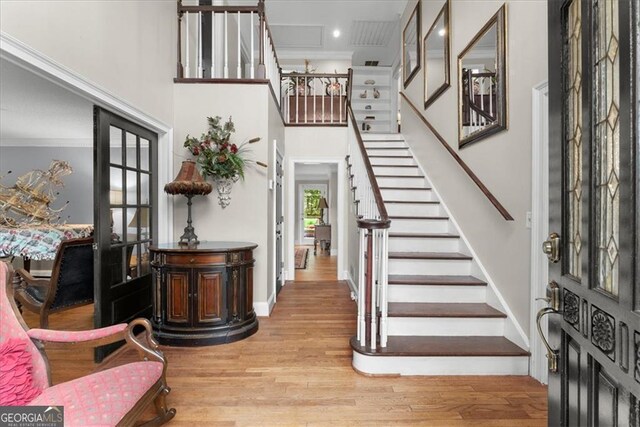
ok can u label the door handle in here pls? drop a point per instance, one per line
(551, 247)
(553, 299)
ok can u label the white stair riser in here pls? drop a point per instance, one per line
(437, 293)
(461, 365)
(392, 161)
(390, 153)
(382, 144)
(414, 209)
(385, 136)
(419, 225)
(445, 326)
(421, 244)
(390, 170)
(402, 182)
(411, 195)
(444, 267)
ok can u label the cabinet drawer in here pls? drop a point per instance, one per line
(195, 259)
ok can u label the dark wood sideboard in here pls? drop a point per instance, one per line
(203, 294)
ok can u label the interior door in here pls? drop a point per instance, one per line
(593, 174)
(125, 200)
(279, 223)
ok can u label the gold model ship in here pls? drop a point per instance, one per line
(28, 201)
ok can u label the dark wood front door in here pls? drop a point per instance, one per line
(594, 211)
(125, 200)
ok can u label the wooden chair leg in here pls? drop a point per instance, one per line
(164, 414)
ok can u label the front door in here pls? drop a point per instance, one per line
(593, 176)
(125, 200)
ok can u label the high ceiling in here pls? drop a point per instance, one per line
(369, 29)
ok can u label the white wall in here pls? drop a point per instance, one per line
(247, 218)
(502, 161)
(126, 47)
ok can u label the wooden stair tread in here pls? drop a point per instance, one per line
(410, 279)
(414, 202)
(405, 188)
(418, 217)
(414, 346)
(429, 255)
(424, 235)
(381, 156)
(400, 176)
(430, 309)
(391, 165)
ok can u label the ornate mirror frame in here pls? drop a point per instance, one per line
(501, 103)
(444, 14)
(414, 19)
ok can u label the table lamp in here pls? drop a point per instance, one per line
(322, 205)
(189, 183)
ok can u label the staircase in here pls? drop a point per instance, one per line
(439, 321)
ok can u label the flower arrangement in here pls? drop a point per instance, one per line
(215, 155)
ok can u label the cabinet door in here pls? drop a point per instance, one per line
(177, 298)
(209, 295)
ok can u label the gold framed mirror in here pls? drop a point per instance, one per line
(436, 53)
(411, 46)
(482, 82)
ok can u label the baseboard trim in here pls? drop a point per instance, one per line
(263, 309)
(352, 284)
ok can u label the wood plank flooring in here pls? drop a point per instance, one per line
(296, 371)
(319, 267)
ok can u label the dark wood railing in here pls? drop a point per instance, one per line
(203, 47)
(494, 201)
(310, 99)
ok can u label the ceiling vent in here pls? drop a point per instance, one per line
(297, 36)
(371, 63)
(371, 33)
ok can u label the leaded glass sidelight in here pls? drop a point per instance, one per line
(573, 135)
(606, 101)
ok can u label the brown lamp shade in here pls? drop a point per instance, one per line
(188, 181)
(323, 203)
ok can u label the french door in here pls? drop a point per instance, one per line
(125, 200)
(594, 289)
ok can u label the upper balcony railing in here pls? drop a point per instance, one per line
(310, 99)
(226, 43)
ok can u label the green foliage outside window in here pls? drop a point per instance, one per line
(311, 202)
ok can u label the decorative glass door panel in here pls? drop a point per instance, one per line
(594, 331)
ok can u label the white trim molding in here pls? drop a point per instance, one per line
(539, 223)
(24, 56)
(263, 309)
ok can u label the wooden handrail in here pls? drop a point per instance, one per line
(494, 201)
(316, 75)
(209, 8)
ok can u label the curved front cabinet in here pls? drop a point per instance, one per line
(203, 295)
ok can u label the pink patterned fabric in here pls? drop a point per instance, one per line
(75, 336)
(16, 382)
(10, 328)
(102, 398)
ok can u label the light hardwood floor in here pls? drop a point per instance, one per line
(296, 371)
(319, 267)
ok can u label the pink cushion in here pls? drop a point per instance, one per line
(102, 398)
(10, 327)
(16, 383)
(75, 336)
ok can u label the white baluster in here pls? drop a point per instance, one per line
(384, 280)
(213, 45)
(374, 326)
(199, 44)
(239, 71)
(361, 289)
(187, 68)
(253, 54)
(226, 46)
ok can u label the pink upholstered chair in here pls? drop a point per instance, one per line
(113, 397)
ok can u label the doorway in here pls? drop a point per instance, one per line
(316, 207)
